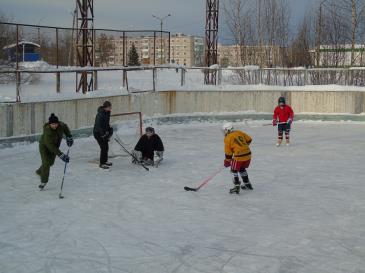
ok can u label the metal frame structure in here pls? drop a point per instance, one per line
(140, 119)
(211, 40)
(85, 44)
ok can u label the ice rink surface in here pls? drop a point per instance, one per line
(306, 214)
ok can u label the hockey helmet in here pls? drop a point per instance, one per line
(281, 100)
(227, 127)
(150, 130)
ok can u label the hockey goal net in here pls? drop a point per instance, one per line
(129, 127)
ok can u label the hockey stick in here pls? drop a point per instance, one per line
(140, 163)
(60, 196)
(270, 124)
(205, 181)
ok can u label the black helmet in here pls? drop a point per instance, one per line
(150, 130)
(281, 100)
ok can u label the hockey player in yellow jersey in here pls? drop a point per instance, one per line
(238, 156)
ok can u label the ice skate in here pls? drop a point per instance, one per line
(236, 190)
(41, 186)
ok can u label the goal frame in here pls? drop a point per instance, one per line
(140, 118)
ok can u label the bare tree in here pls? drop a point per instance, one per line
(301, 44)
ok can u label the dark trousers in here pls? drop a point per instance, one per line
(104, 148)
(48, 159)
(284, 127)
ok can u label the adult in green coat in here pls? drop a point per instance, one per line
(49, 145)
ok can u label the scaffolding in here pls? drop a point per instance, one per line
(211, 40)
(85, 44)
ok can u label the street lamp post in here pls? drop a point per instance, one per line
(161, 25)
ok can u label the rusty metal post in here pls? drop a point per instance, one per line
(154, 48)
(211, 40)
(17, 47)
(58, 76)
(169, 48)
(154, 72)
(85, 44)
(17, 75)
(95, 80)
(18, 86)
(124, 53)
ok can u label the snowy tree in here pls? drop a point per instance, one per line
(133, 57)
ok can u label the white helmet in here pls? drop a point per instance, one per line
(227, 127)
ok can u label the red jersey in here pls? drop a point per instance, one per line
(283, 113)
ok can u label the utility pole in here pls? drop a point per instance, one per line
(319, 34)
(161, 25)
(354, 26)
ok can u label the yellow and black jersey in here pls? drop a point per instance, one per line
(236, 145)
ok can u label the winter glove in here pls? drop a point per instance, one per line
(111, 131)
(106, 136)
(137, 156)
(289, 121)
(227, 163)
(159, 154)
(69, 141)
(274, 122)
(64, 158)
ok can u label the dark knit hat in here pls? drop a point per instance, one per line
(107, 104)
(53, 119)
(150, 130)
(281, 100)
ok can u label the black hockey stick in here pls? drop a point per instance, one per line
(60, 196)
(132, 155)
(205, 181)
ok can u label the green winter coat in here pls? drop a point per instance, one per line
(51, 139)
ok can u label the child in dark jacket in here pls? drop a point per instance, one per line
(146, 147)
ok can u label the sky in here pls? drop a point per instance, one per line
(188, 16)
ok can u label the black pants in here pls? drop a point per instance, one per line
(283, 128)
(104, 148)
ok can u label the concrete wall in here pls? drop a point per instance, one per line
(28, 118)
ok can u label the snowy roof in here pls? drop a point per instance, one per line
(21, 43)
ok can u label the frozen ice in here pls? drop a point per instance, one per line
(305, 215)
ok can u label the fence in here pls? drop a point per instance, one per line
(50, 83)
(57, 45)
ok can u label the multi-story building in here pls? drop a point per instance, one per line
(187, 50)
(340, 55)
(184, 50)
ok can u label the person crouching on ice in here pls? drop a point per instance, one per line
(285, 115)
(238, 156)
(146, 147)
(49, 145)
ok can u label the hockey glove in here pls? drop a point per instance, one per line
(111, 131)
(289, 121)
(64, 158)
(227, 163)
(137, 156)
(274, 122)
(159, 154)
(105, 136)
(69, 141)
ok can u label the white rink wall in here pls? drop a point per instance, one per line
(21, 119)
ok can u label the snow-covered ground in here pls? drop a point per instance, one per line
(306, 214)
(42, 87)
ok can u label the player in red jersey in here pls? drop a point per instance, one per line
(283, 118)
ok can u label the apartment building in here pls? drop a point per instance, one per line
(184, 50)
